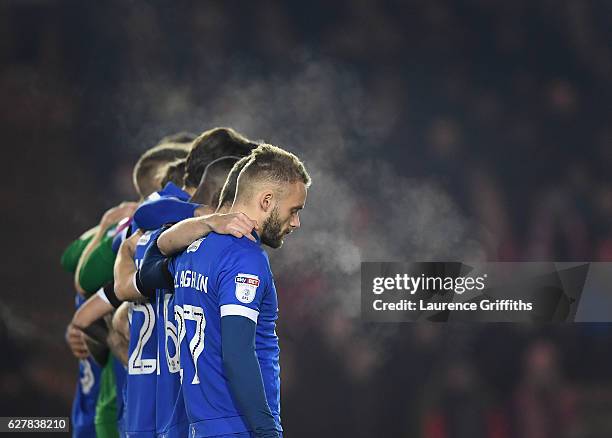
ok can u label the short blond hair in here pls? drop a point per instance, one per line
(272, 166)
(146, 176)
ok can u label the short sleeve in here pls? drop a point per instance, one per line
(119, 238)
(97, 270)
(243, 281)
(71, 255)
(154, 214)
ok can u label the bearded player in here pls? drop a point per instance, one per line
(147, 363)
(225, 294)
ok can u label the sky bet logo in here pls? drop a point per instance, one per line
(248, 280)
(246, 287)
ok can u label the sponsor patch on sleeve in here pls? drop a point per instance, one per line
(195, 245)
(144, 239)
(246, 287)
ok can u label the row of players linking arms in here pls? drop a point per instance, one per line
(176, 304)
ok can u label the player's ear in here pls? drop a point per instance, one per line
(265, 200)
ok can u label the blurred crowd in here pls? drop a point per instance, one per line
(432, 128)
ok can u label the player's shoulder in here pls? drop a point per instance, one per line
(243, 249)
(249, 257)
(211, 243)
(225, 248)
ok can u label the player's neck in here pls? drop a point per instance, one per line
(204, 210)
(189, 190)
(252, 212)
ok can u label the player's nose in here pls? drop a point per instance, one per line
(295, 221)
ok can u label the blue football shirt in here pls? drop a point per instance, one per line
(143, 354)
(170, 412)
(216, 276)
(86, 395)
(163, 207)
(142, 360)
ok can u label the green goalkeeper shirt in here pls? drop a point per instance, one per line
(72, 254)
(97, 270)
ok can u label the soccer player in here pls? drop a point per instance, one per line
(99, 305)
(88, 415)
(170, 409)
(181, 235)
(208, 147)
(86, 394)
(95, 400)
(150, 317)
(153, 385)
(226, 299)
(95, 268)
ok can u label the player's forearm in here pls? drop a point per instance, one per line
(118, 339)
(153, 273)
(244, 375)
(241, 371)
(181, 235)
(91, 310)
(118, 345)
(120, 320)
(124, 271)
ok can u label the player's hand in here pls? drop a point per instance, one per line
(117, 213)
(236, 224)
(76, 341)
(131, 242)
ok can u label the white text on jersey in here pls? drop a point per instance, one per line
(191, 279)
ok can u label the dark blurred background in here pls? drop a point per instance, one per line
(433, 129)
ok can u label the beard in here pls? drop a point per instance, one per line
(271, 232)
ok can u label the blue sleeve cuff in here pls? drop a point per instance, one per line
(153, 273)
